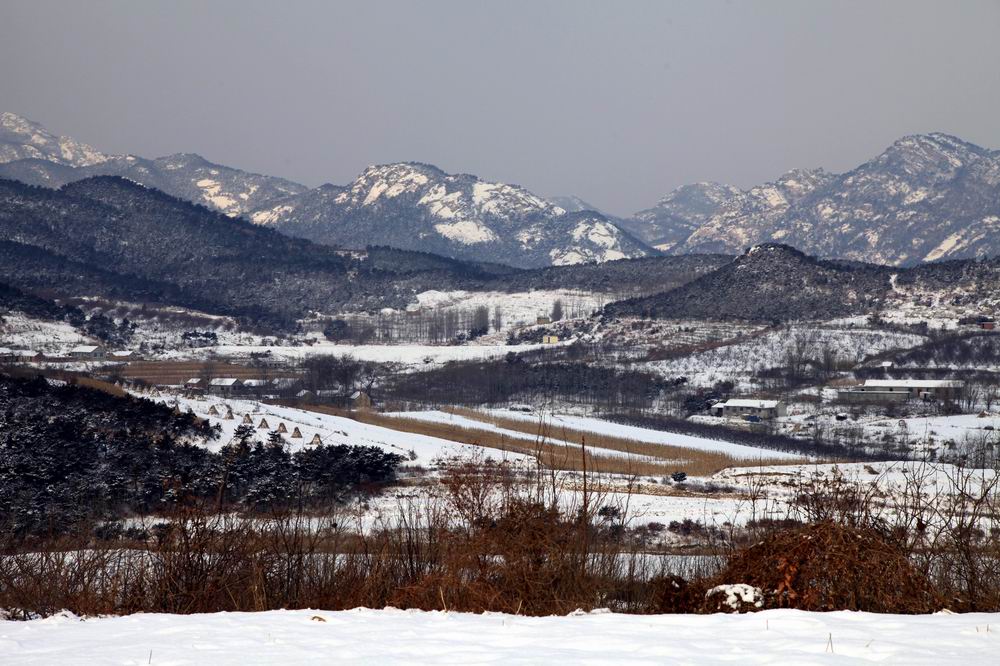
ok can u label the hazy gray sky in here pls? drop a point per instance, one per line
(616, 102)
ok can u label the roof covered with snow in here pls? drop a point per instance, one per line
(224, 381)
(914, 383)
(745, 402)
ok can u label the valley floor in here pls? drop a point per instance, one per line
(392, 636)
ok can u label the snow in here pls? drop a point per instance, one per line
(20, 331)
(391, 636)
(271, 215)
(948, 245)
(466, 232)
(567, 257)
(211, 192)
(601, 427)
(332, 430)
(738, 594)
(434, 416)
(374, 193)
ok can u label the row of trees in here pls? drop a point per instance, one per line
(430, 326)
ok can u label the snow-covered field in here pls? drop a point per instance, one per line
(404, 354)
(418, 449)
(738, 361)
(21, 332)
(601, 427)
(390, 636)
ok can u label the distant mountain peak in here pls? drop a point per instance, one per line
(418, 206)
(21, 138)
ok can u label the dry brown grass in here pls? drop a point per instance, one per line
(97, 384)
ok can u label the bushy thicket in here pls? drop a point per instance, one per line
(69, 455)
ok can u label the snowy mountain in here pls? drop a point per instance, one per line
(419, 207)
(677, 215)
(926, 197)
(22, 139)
(32, 155)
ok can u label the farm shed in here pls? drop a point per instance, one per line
(747, 408)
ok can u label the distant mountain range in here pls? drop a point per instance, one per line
(32, 155)
(407, 205)
(925, 198)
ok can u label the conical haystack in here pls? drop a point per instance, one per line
(229, 414)
(263, 425)
(296, 434)
(281, 428)
(316, 439)
(212, 411)
(247, 420)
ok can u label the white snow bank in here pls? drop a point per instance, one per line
(413, 637)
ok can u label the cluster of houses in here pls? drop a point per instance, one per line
(872, 391)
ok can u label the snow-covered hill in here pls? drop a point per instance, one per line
(926, 197)
(419, 207)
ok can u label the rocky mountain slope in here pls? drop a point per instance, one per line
(925, 198)
(419, 207)
(32, 155)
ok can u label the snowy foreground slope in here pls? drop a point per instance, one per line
(405, 637)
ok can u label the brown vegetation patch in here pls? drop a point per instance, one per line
(828, 566)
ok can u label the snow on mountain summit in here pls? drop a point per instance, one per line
(418, 206)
